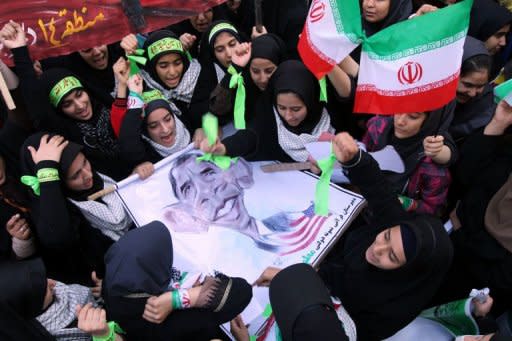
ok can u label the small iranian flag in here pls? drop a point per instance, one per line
(412, 66)
(332, 30)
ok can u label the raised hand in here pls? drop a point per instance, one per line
(344, 147)
(129, 43)
(12, 35)
(242, 54)
(187, 40)
(50, 148)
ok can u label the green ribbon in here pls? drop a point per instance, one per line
(323, 89)
(237, 81)
(136, 58)
(211, 130)
(268, 311)
(32, 182)
(189, 56)
(113, 329)
(322, 186)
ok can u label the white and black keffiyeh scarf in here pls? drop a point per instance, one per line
(97, 133)
(109, 215)
(184, 90)
(219, 72)
(182, 140)
(61, 313)
(293, 144)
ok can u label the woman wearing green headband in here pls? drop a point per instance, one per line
(59, 102)
(168, 69)
(215, 53)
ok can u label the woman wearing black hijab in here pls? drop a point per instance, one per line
(481, 220)
(378, 15)
(217, 47)
(266, 53)
(22, 294)
(59, 102)
(387, 271)
(73, 233)
(490, 23)
(291, 116)
(93, 66)
(140, 273)
(169, 70)
(475, 99)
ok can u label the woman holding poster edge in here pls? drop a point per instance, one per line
(288, 118)
(72, 232)
(389, 269)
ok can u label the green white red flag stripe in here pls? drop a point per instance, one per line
(332, 30)
(413, 66)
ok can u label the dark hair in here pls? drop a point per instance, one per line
(177, 163)
(480, 62)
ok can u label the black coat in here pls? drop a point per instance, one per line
(480, 261)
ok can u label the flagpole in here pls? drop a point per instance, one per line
(6, 94)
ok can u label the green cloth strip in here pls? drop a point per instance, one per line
(164, 45)
(268, 311)
(176, 302)
(113, 328)
(211, 130)
(43, 175)
(323, 185)
(136, 58)
(219, 27)
(323, 89)
(237, 81)
(62, 88)
(32, 182)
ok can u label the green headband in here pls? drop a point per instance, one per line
(152, 95)
(62, 88)
(219, 27)
(163, 45)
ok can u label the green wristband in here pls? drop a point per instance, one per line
(47, 174)
(113, 328)
(175, 300)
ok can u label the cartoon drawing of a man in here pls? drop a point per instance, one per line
(210, 196)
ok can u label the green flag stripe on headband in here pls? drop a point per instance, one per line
(163, 45)
(62, 88)
(322, 187)
(218, 27)
(151, 95)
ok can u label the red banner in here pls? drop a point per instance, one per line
(56, 27)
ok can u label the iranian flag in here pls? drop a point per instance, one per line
(412, 66)
(332, 30)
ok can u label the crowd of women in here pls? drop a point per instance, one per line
(69, 263)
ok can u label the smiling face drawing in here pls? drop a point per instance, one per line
(208, 195)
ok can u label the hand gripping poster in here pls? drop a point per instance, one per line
(238, 221)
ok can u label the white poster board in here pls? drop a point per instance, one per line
(238, 221)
